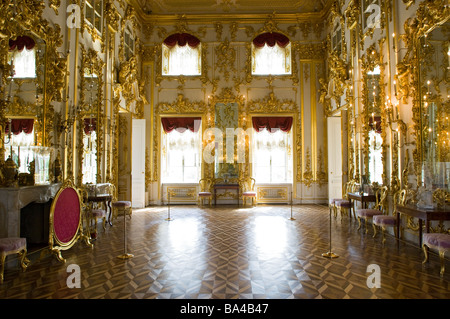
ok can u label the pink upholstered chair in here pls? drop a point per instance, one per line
(119, 205)
(9, 246)
(438, 241)
(205, 191)
(343, 204)
(92, 214)
(384, 221)
(248, 190)
(368, 213)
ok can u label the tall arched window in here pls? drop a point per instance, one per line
(181, 55)
(271, 54)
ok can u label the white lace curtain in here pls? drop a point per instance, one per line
(272, 157)
(181, 60)
(181, 157)
(271, 60)
(24, 63)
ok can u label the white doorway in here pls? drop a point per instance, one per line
(334, 157)
(138, 164)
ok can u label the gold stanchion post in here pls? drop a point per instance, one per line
(169, 193)
(291, 218)
(329, 253)
(125, 255)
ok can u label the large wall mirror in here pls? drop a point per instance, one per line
(226, 117)
(90, 121)
(434, 87)
(373, 122)
(28, 60)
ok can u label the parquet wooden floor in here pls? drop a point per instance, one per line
(229, 252)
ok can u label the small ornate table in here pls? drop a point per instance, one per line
(226, 186)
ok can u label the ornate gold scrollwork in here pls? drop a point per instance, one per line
(371, 60)
(429, 15)
(25, 18)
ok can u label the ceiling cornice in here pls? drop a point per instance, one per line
(168, 19)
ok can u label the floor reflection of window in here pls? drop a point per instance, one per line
(181, 157)
(270, 235)
(272, 157)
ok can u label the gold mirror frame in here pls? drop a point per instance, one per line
(91, 62)
(370, 61)
(429, 15)
(25, 18)
(228, 97)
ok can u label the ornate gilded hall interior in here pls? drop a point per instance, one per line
(223, 149)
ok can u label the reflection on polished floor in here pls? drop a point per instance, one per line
(228, 252)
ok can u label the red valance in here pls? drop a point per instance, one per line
(181, 124)
(377, 120)
(20, 125)
(182, 39)
(270, 123)
(21, 42)
(271, 38)
(90, 125)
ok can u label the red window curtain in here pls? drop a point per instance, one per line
(20, 125)
(90, 125)
(21, 42)
(270, 123)
(377, 126)
(182, 39)
(181, 124)
(271, 38)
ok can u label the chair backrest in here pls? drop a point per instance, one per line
(399, 199)
(205, 184)
(65, 218)
(113, 192)
(381, 196)
(247, 183)
(348, 188)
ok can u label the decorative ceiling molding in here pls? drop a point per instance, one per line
(201, 11)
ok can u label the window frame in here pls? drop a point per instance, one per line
(162, 158)
(289, 55)
(96, 15)
(165, 48)
(289, 159)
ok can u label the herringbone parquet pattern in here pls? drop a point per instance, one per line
(228, 252)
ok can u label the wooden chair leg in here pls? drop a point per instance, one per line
(383, 231)
(442, 259)
(24, 261)
(374, 230)
(425, 252)
(2, 266)
(359, 223)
